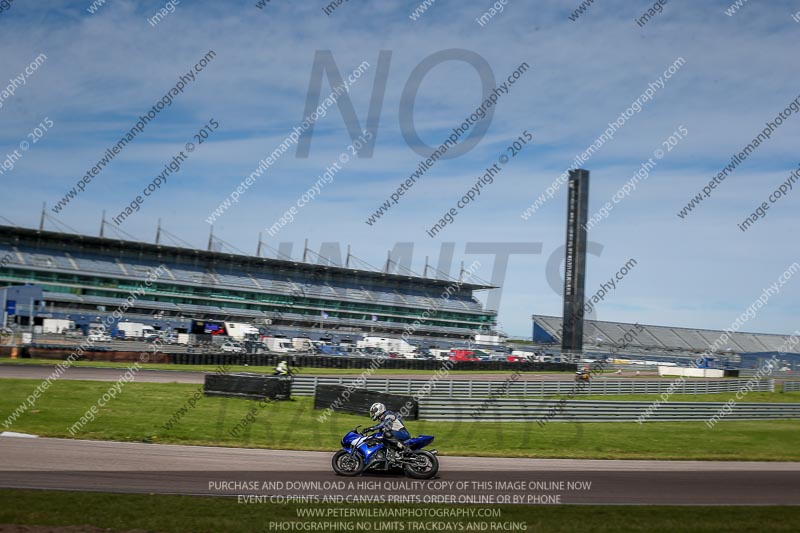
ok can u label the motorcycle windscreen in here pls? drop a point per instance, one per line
(419, 442)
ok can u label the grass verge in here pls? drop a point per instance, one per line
(142, 412)
(179, 514)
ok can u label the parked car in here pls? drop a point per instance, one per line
(441, 355)
(481, 355)
(232, 347)
(326, 349)
(372, 352)
(98, 337)
(462, 355)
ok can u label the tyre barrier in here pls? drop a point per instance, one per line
(347, 399)
(250, 386)
(322, 361)
(96, 354)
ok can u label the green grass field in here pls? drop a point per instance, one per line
(179, 514)
(141, 411)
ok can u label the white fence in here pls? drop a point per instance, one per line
(470, 388)
(525, 410)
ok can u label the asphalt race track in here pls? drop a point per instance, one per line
(63, 464)
(26, 371)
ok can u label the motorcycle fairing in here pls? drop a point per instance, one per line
(419, 442)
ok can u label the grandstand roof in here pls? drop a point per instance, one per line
(179, 254)
(665, 338)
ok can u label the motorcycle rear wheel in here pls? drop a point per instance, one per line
(422, 465)
(345, 464)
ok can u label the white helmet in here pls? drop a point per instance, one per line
(376, 410)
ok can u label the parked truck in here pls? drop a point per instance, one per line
(240, 331)
(439, 354)
(57, 325)
(302, 344)
(279, 344)
(186, 339)
(388, 345)
(135, 330)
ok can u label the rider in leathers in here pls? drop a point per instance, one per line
(394, 432)
(282, 370)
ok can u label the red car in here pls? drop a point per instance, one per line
(462, 355)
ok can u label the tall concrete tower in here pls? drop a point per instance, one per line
(575, 264)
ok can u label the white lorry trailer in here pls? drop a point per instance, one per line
(135, 330)
(279, 344)
(186, 339)
(57, 325)
(238, 330)
(302, 344)
(388, 344)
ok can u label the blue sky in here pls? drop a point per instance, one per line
(105, 69)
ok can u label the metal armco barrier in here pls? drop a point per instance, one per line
(463, 388)
(520, 410)
(360, 400)
(323, 361)
(791, 386)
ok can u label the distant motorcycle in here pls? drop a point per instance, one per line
(582, 375)
(361, 452)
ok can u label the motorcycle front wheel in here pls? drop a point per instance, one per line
(421, 465)
(346, 464)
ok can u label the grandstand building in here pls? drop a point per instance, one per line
(85, 278)
(667, 343)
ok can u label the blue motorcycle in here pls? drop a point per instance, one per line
(361, 452)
